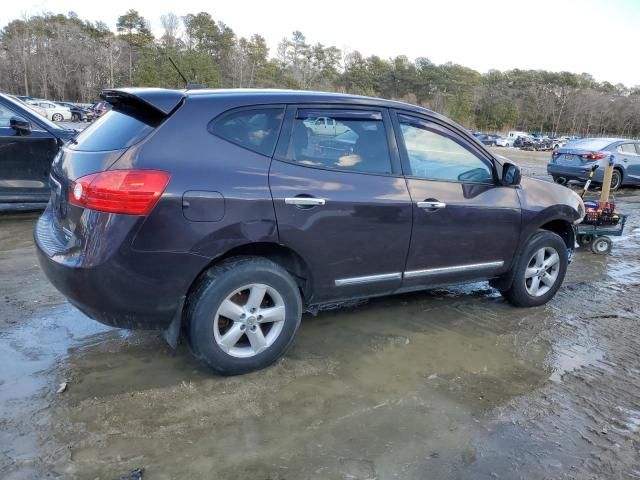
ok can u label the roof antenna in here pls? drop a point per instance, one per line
(187, 85)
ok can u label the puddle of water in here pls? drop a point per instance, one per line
(572, 358)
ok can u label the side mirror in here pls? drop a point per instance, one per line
(20, 125)
(511, 174)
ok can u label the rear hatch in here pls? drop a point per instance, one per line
(136, 114)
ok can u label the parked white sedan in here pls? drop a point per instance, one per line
(504, 142)
(54, 112)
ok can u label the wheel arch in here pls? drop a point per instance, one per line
(560, 226)
(284, 256)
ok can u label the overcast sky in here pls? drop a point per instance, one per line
(600, 37)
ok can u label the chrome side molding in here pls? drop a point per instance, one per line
(342, 282)
(453, 269)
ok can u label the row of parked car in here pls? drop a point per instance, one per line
(65, 111)
(523, 140)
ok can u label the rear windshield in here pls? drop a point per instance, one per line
(115, 130)
(590, 144)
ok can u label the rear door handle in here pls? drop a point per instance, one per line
(431, 204)
(304, 201)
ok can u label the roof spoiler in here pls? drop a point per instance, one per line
(159, 100)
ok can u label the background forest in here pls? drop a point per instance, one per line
(63, 57)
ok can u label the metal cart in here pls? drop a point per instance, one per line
(598, 237)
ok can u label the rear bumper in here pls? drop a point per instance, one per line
(22, 206)
(572, 172)
(126, 289)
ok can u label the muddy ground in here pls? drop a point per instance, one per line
(451, 383)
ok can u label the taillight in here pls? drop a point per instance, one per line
(555, 154)
(592, 156)
(132, 192)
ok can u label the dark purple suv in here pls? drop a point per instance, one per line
(227, 213)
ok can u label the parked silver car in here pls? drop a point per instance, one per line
(575, 160)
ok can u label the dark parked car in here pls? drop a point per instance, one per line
(28, 143)
(215, 212)
(100, 109)
(78, 113)
(487, 139)
(575, 160)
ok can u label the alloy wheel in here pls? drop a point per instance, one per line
(249, 320)
(616, 179)
(542, 271)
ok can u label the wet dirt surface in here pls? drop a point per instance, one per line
(451, 383)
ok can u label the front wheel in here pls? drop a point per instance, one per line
(539, 272)
(244, 315)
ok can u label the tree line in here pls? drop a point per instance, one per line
(63, 57)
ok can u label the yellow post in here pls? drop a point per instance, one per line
(606, 182)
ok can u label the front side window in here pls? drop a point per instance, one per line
(5, 116)
(255, 129)
(436, 156)
(354, 141)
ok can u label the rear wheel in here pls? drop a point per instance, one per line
(244, 315)
(601, 245)
(539, 271)
(560, 180)
(616, 180)
(57, 117)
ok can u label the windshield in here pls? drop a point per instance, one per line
(115, 130)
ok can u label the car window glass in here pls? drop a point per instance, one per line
(5, 116)
(255, 129)
(435, 156)
(627, 148)
(591, 144)
(343, 143)
(116, 129)
(637, 148)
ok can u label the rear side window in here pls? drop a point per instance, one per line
(116, 130)
(255, 129)
(353, 141)
(627, 148)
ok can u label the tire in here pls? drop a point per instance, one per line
(228, 287)
(560, 180)
(616, 180)
(57, 117)
(522, 293)
(75, 117)
(601, 245)
(585, 240)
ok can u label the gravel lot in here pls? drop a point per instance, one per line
(452, 383)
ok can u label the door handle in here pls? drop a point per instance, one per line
(304, 201)
(431, 204)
